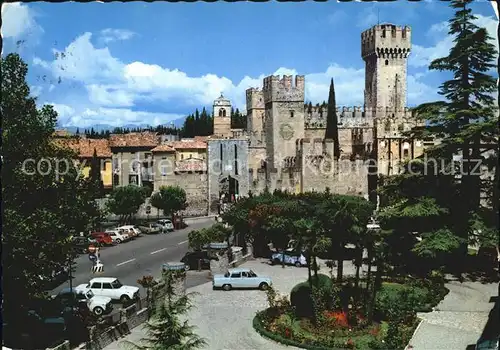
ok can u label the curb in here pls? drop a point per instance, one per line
(409, 346)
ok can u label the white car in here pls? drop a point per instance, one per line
(97, 304)
(130, 229)
(166, 224)
(116, 236)
(241, 278)
(110, 287)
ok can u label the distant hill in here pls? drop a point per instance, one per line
(178, 123)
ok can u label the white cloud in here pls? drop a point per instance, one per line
(35, 90)
(86, 117)
(107, 96)
(19, 25)
(115, 89)
(18, 20)
(81, 61)
(422, 56)
(109, 34)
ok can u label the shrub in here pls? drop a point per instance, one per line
(301, 295)
(394, 300)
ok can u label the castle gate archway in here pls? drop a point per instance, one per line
(228, 188)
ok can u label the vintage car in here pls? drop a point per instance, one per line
(198, 259)
(110, 287)
(291, 258)
(166, 224)
(240, 278)
(97, 304)
(153, 228)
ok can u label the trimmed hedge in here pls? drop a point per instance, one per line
(259, 328)
(300, 296)
(424, 296)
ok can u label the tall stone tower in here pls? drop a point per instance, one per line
(284, 117)
(222, 117)
(385, 49)
(255, 112)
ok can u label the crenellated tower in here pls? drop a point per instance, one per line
(284, 117)
(385, 49)
(255, 111)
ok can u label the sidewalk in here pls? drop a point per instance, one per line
(458, 320)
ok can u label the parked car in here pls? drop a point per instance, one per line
(151, 228)
(166, 224)
(290, 257)
(99, 305)
(110, 287)
(240, 278)
(192, 259)
(82, 243)
(117, 236)
(131, 230)
(102, 238)
(125, 233)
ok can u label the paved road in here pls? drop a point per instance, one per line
(144, 255)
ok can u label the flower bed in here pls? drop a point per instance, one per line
(334, 334)
(334, 318)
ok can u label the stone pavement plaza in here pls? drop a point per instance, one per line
(224, 319)
(458, 320)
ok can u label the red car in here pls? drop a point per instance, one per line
(102, 238)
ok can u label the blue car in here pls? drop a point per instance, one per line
(290, 257)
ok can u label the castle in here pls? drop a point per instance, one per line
(284, 145)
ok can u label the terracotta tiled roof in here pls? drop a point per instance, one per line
(61, 133)
(188, 144)
(85, 147)
(134, 139)
(191, 165)
(201, 138)
(163, 148)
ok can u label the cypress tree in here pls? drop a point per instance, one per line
(332, 129)
(95, 178)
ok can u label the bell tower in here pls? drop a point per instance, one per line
(222, 117)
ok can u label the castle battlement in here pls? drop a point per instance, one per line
(278, 89)
(386, 40)
(255, 99)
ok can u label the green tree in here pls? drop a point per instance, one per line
(332, 128)
(125, 201)
(465, 122)
(168, 329)
(169, 199)
(200, 238)
(44, 200)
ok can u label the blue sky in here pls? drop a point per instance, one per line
(133, 63)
